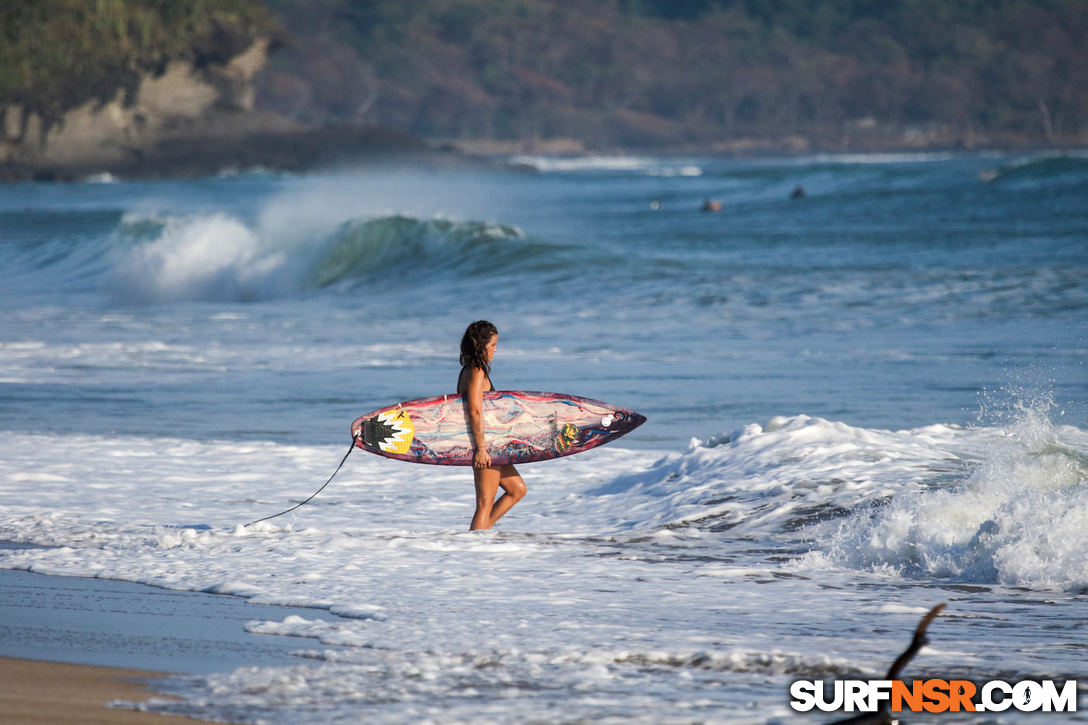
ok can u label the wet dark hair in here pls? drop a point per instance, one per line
(473, 344)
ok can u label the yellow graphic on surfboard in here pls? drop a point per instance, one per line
(565, 436)
(391, 431)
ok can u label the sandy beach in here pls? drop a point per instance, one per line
(42, 693)
(70, 646)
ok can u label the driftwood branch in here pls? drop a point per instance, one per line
(882, 716)
(918, 642)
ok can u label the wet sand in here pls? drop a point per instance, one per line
(71, 645)
(41, 693)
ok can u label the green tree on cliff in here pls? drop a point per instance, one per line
(57, 54)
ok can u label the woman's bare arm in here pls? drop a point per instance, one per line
(475, 397)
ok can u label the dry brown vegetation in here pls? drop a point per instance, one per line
(652, 73)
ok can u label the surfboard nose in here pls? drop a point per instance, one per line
(629, 420)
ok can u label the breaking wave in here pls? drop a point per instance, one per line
(1019, 518)
(643, 165)
(1005, 504)
(783, 475)
(221, 258)
(1050, 170)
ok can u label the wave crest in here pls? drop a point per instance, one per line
(220, 258)
(364, 247)
(1050, 169)
(782, 475)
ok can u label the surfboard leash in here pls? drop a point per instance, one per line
(311, 498)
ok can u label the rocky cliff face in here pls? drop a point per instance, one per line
(192, 119)
(134, 130)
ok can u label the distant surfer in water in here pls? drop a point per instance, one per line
(477, 350)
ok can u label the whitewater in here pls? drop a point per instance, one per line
(862, 403)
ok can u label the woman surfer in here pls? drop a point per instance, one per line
(477, 350)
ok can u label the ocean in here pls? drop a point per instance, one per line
(862, 403)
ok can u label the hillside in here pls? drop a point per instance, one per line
(155, 88)
(727, 74)
(168, 87)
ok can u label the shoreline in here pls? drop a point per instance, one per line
(308, 150)
(41, 692)
(231, 150)
(70, 645)
(114, 623)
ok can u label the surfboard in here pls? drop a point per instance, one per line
(519, 427)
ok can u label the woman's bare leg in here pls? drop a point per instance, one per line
(514, 489)
(488, 480)
(487, 484)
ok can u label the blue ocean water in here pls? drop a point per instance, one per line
(861, 402)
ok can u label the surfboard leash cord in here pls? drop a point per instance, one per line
(311, 498)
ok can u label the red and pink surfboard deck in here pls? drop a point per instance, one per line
(519, 427)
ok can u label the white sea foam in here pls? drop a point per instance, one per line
(633, 572)
(213, 257)
(784, 473)
(102, 177)
(903, 157)
(1020, 518)
(992, 504)
(647, 165)
(585, 163)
